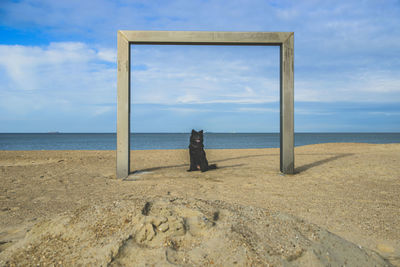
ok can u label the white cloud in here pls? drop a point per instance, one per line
(68, 75)
(356, 86)
(109, 55)
(245, 76)
(258, 110)
(380, 82)
(74, 77)
(186, 110)
(101, 110)
(384, 113)
(205, 75)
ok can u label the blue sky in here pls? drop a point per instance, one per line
(58, 66)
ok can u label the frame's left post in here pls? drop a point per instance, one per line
(123, 106)
(287, 106)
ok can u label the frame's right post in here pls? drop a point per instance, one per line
(287, 106)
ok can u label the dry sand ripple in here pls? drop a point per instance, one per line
(184, 232)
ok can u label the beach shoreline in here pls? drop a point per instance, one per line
(350, 189)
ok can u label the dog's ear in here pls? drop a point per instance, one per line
(201, 132)
(193, 131)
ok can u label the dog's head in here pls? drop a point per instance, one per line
(196, 138)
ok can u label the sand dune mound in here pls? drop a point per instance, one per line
(183, 232)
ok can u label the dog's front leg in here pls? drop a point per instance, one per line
(193, 166)
(204, 165)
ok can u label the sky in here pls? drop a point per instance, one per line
(58, 66)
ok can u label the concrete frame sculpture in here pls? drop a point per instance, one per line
(285, 40)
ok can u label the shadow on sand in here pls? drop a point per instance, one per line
(319, 162)
(297, 170)
(213, 161)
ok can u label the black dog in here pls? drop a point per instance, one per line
(198, 160)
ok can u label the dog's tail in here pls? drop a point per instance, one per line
(212, 166)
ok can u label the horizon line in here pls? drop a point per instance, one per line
(212, 132)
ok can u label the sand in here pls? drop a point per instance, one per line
(342, 207)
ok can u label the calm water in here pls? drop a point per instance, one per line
(107, 141)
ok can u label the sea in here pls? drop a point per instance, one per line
(148, 141)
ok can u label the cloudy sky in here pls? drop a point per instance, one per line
(58, 66)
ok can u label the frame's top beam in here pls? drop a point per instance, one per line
(204, 38)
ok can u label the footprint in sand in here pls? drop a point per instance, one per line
(183, 232)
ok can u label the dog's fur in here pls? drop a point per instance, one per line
(198, 160)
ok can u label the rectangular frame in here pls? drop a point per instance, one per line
(285, 40)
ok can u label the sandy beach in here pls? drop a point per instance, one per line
(342, 207)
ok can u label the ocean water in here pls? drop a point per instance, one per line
(146, 141)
